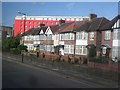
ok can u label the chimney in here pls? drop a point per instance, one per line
(92, 16)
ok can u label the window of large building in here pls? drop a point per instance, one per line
(91, 35)
(107, 35)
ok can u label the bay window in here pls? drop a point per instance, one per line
(82, 50)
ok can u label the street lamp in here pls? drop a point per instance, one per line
(24, 22)
(24, 28)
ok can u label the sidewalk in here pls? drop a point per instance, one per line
(69, 70)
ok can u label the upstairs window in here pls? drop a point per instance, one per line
(91, 37)
(107, 35)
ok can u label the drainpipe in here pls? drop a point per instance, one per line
(74, 44)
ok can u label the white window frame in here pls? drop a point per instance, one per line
(80, 50)
(91, 36)
(107, 35)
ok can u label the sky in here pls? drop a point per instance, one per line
(10, 9)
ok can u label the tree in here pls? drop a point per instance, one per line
(42, 25)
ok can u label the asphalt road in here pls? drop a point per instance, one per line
(18, 75)
(25, 76)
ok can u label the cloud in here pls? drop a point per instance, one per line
(70, 6)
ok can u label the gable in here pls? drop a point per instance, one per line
(48, 31)
(116, 24)
(41, 32)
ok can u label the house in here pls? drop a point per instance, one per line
(6, 32)
(68, 38)
(89, 34)
(31, 39)
(111, 39)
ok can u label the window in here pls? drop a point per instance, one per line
(71, 36)
(50, 48)
(82, 50)
(49, 37)
(42, 37)
(34, 22)
(107, 35)
(91, 37)
(42, 47)
(57, 37)
(69, 49)
(36, 37)
(81, 35)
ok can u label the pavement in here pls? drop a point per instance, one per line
(69, 72)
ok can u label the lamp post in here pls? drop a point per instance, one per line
(24, 29)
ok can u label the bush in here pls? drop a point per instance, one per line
(85, 60)
(100, 60)
(22, 47)
(15, 51)
(35, 51)
(76, 60)
(69, 59)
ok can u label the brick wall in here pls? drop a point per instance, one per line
(106, 67)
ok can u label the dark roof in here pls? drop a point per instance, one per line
(93, 25)
(109, 25)
(58, 27)
(54, 28)
(32, 31)
(72, 26)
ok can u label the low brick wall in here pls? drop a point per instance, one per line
(107, 67)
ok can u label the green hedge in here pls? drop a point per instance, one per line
(15, 50)
(103, 60)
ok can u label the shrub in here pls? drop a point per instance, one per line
(100, 60)
(15, 51)
(35, 51)
(85, 61)
(22, 47)
(76, 60)
(69, 59)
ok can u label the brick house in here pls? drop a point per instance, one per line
(111, 37)
(91, 34)
(31, 39)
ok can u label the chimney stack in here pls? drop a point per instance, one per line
(92, 16)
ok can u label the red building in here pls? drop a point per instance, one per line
(34, 21)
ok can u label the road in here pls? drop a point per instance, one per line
(18, 75)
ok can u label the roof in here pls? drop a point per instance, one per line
(109, 25)
(72, 26)
(43, 28)
(32, 31)
(54, 28)
(95, 24)
(105, 45)
(57, 28)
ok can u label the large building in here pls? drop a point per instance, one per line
(6, 31)
(29, 22)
